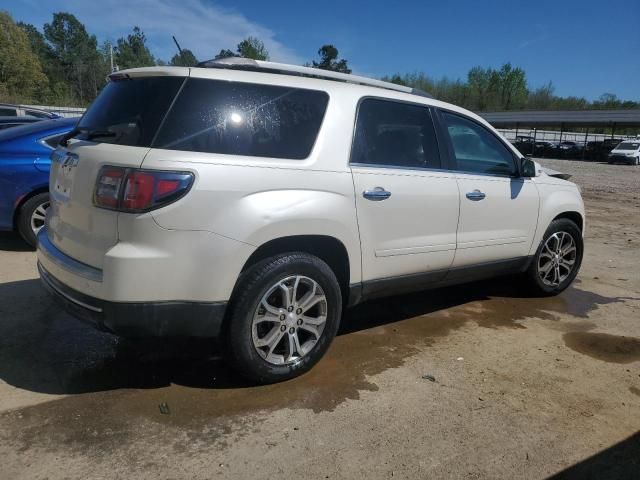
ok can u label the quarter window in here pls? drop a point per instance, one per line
(243, 119)
(395, 134)
(54, 141)
(476, 149)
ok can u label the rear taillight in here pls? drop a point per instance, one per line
(135, 190)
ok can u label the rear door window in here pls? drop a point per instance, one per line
(394, 134)
(129, 111)
(8, 112)
(236, 118)
(54, 140)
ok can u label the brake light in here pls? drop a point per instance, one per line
(136, 190)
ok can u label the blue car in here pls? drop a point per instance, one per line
(24, 174)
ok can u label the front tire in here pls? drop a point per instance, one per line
(32, 216)
(558, 258)
(284, 315)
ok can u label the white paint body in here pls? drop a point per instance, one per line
(195, 248)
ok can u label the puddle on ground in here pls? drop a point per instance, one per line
(123, 383)
(603, 346)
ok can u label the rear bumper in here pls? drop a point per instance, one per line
(139, 319)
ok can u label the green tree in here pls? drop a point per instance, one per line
(512, 87)
(541, 98)
(184, 59)
(251, 47)
(225, 53)
(483, 84)
(132, 52)
(76, 53)
(21, 75)
(328, 60)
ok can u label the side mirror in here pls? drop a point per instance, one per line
(530, 168)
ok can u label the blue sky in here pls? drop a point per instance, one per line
(584, 47)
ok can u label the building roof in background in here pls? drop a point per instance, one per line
(564, 118)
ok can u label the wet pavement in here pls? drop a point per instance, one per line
(184, 383)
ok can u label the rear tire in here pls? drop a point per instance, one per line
(557, 259)
(31, 217)
(273, 335)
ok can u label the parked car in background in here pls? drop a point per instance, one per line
(627, 152)
(8, 110)
(253, 201)
(529, 146)
(569, 149)
(24, 174)
(10, 122)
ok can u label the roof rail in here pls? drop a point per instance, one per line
(239, 63)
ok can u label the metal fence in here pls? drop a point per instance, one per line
(557, 136)
(62, 111)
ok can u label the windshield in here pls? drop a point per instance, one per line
(628, 146)
(129, 111)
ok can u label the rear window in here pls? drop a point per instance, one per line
(130, 110)
(243, 119)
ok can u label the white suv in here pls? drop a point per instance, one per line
(253, 201)
(627, 151)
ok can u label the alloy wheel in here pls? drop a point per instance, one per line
(38, 217)
(557, 259)
(289, 320)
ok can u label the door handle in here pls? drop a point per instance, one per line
(376, 194)
(476, 195)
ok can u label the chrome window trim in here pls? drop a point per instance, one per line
(437, 170)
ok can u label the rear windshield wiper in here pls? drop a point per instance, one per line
(91, 134)
(64, 141)
(99, 133)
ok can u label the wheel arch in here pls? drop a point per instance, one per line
(24, 199)
(575, 217)
(329, 249)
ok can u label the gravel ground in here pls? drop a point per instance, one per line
(596, 178)
(520, 388)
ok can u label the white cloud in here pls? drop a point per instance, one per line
(202, 27)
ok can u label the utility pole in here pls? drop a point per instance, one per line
(111, 55)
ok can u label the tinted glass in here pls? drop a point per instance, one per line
(243, 119)
(628, 146)
(130, 110)
(395, 134)
(8, 112)
(476, 149)
(54, 141)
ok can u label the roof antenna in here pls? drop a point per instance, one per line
(177, 44)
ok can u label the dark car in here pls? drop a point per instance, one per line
(569, 149)
(527, 145)
(10, 122)
(24, 174)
